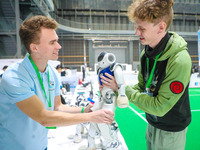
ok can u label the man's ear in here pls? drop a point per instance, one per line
(162, 27)
(33, 47)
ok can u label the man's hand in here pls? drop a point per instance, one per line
(109, 82)
(88, 108)
(102, 116)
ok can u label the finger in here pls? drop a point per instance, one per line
(88, 108)
(108, 122)
(110, 118)
(104, 81)
(91, 105)
(110, 76)
(105, 78)
(109, 112)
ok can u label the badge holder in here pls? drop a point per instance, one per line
(148, 92)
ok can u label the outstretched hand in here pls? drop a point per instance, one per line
(103, 116)
(109, 82)
(88, 108)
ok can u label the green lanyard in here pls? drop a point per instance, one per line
(41, 82)
(149, 78)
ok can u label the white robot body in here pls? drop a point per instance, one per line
(122, 100)
(108, 101)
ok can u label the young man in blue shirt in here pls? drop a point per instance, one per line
(30, 92)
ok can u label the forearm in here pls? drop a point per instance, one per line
(56, 118)
(149, 104)
(68, 109)
(35, 109)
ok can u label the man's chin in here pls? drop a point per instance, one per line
(143, 42)
(53, 59)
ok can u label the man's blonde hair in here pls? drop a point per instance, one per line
(153, 11)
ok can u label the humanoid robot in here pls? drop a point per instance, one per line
(108, 100)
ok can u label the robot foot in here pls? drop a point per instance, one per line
(70, 137)
(111, 145)
(77, 138)
(85, 135)
(96, 147)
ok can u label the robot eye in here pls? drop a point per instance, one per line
(101, 56)
(111, 58)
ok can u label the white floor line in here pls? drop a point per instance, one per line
(195, 95)
(194, 110)
(138, 114)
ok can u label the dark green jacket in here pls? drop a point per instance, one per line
(168, 109)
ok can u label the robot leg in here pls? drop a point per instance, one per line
(78, 135)
(109, 140)
(92, 133)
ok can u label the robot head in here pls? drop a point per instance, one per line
(106, 59)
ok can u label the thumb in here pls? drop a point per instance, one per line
(90, 105)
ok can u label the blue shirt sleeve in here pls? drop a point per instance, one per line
(16, 86)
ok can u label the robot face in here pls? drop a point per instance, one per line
(106, 59)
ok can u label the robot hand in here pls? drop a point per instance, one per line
(122, 99)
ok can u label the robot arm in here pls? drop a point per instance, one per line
(122, 100)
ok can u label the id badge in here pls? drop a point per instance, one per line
(50, 108)
(150, 94)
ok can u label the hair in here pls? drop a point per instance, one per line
(153, 11)
(59, 67)
(5, 67)
(30, 29)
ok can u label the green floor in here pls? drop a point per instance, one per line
(133, 127)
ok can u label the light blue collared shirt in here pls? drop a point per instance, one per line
(19, 82)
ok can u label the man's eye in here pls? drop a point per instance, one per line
(141, 29)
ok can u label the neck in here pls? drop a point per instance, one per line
(160, 38)
(152, 52)
(39, 62)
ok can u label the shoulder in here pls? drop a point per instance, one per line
(16, 78)
(114, 65)
(180, 61)
(53, 72)
(181, 57)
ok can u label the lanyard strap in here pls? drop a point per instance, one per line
(40, 80)
(149, 78)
